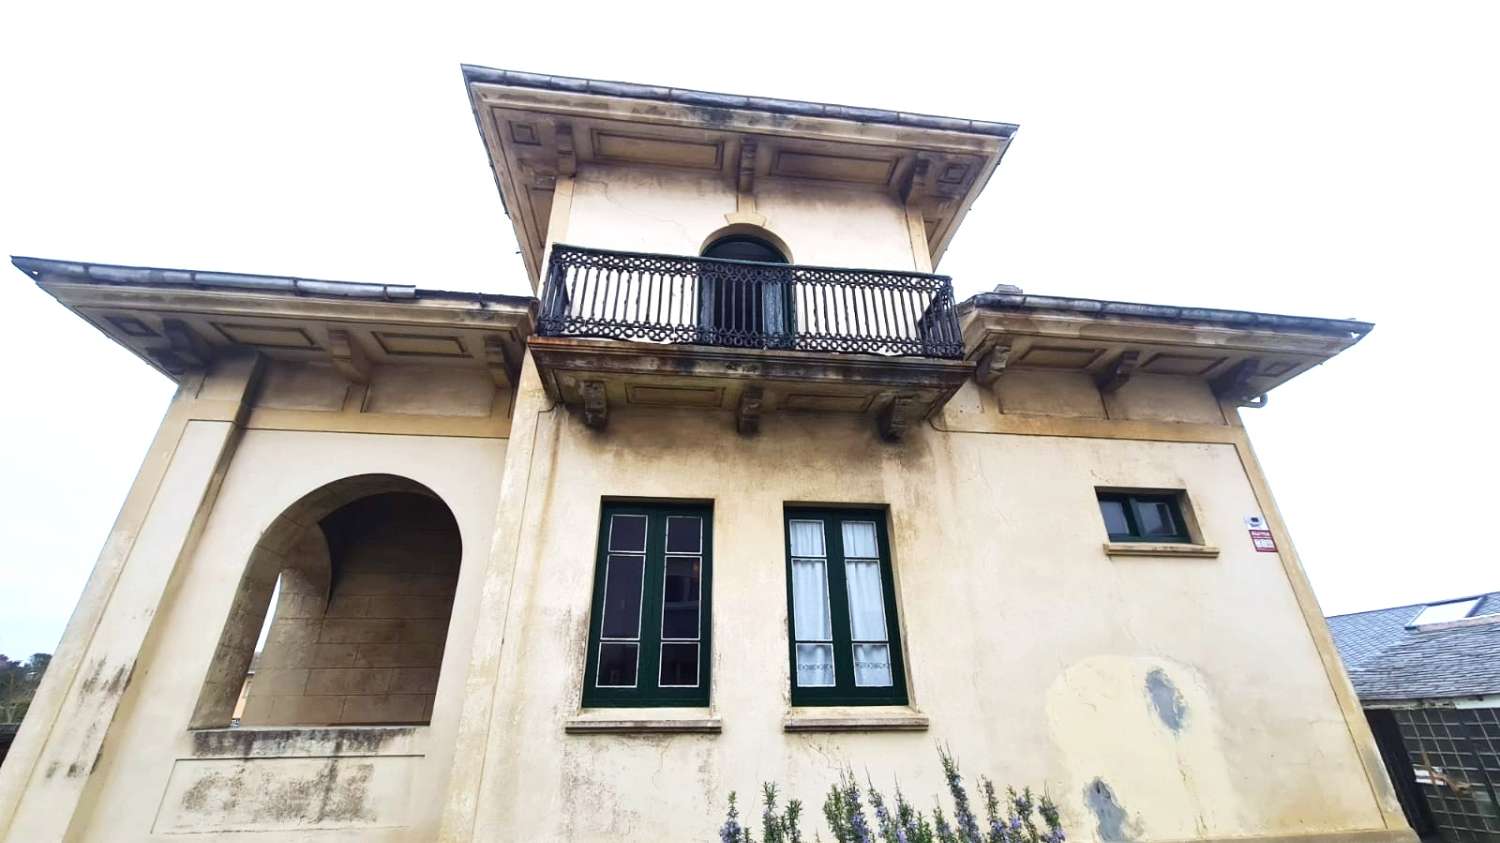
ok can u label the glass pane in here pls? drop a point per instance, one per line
(1443, 612)
(1155, 518)
(807, 538)
(622, 597)
(859, 540)
(866, 601)
(1114, 517)
(872, 665)
(684, 534)
(679, 601)
(628, 532)
(810, 618)
(814, 665)
(617, 664)
(679, 665)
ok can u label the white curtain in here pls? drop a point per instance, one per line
(814, 665)
(866, 602)
(807, 538)
(872, 661)
(810, 618)
(872, 665)
(859, 540)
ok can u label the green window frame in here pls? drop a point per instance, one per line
(844, 637)
(653, 569)
(1144, 517)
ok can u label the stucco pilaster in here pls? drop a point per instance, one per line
(69, 721)
(476, 738)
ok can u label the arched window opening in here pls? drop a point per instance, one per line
(744, 247)
(364, 573)
(747, 304)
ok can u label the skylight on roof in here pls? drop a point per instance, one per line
(1455, 610)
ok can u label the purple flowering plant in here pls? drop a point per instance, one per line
(1009, 819)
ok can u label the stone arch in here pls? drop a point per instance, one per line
(295, 550)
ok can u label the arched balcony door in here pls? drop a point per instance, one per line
(747, 303)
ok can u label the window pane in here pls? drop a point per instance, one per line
(872, 665)
(679, 665)
(859, 539)
(684, 534)
(807, 538)
(622, 597)
(810, 618)
(815, 665)
(617, 664)
(866, 601)
(628, 532)
(1114, 517)
(1155, 518)
(679, 602)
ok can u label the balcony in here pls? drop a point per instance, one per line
(626, 328)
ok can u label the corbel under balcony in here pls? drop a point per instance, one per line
(181, 321)
(1241, 355)
(596, 377)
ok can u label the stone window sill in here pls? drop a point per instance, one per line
(1196, 551)
(875, 718)
(644, 721)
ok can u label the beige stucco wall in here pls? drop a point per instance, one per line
(1037, 657)
(667, 212)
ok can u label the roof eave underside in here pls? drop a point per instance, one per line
(1103, 309)
(188, 279)
(707, 99)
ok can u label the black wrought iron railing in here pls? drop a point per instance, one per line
(742, 304)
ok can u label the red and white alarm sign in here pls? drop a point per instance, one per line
(1260, 534)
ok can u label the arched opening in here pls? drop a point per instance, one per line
(752, 232)
(744, 247)
(364, 572)
(747, 303)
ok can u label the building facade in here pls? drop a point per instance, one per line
(1428, 676)
(744, 494)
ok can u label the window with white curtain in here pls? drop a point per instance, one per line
(845, 649)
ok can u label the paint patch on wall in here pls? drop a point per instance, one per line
(282, 794)
(1126, 772)
(1111, 821)
(1166, 700)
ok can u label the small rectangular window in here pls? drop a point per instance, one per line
(1144, 517)
(845, 645)
(649, 629)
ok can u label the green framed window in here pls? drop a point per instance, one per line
(649, 631)
(1143, 517)
(845, 646)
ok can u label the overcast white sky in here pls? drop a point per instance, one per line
(1317, 158)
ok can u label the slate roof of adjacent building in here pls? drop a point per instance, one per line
(1390, 660)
